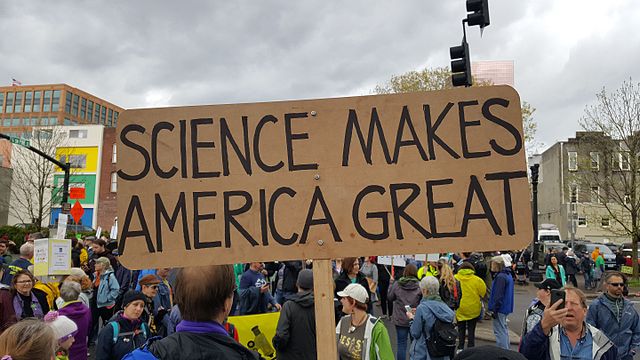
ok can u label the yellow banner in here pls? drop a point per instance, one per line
(626, 270)
(256, 332)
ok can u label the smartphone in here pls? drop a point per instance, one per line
(407, 308)
(557, 295)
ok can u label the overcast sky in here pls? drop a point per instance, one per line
(148, 53)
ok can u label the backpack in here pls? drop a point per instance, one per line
(479, 266)
(443, 339)
(143, 352)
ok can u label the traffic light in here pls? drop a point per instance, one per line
(479, 10)
(460, 65)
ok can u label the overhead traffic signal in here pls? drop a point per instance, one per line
(461, 65)
(479, 10)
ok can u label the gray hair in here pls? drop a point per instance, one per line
(70, 290)
(430, 284)
(26, 250)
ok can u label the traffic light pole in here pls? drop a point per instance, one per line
(66, 167)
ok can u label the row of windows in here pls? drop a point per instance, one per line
(604, 221)
(88, 110)
(30, 101)
(32, 121)
(619, 160)
(594, 195)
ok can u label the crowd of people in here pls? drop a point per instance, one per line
(434, 306)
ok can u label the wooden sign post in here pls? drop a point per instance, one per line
(425, 172)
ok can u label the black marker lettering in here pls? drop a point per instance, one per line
(383, 216)
(145, 154)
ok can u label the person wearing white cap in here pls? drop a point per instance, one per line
(64, 330)
(359, 334)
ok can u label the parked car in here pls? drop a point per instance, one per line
(607, 254)
(613, 247)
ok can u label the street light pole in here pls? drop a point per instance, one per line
(535, 275)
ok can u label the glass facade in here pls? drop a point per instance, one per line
(46, 106)
(1, 102)
(96, 116)
(83, 108)
(90, 111)
(55, 105)
(37, 97)
(74, 107)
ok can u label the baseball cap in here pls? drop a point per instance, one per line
(548, 284)
(356, 292)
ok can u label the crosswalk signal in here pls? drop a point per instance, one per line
(479, 10)
(460, 65)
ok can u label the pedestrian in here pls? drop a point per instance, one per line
(80, 314)
(562, 333)
(105, 293)
(370, 271)
(571, 267)
(125, 331)
(429, 269)
(204, 296)
(296, 330)
(467, 315)
(22, 263)
(254, 291)
(100, 250)
(620, 260)
(430, 309)
(351, 274)
(151, 315)
(384, 281)
(599, 269)
(562, 256)
(534, 313)
(556, 271)
(360, 335)
(501, 301)
(163, 301)
(5, 256)
(64, 330)
(30, 339)
(404, 292)
(450, 290)
(616, 317)
(21, 300)
(79, 277)
(290, 271)
(586, 266)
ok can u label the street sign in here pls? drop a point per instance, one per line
(77, 193)
(20, 141)
(66, 207)
(76, 212)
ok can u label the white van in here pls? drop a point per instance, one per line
(549, 235)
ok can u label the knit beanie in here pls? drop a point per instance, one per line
(62, 326)
(131, 296)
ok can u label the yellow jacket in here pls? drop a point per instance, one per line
(84, 256)
(473, 288)
(51, 289)
(430, 271)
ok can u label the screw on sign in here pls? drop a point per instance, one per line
(77, 211)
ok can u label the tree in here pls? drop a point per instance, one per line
(431, 79)
(31, 193)
(612, 138)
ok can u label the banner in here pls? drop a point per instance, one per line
(255, 332)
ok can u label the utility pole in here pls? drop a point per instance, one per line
(535, 275)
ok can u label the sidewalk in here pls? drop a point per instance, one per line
(484, 331)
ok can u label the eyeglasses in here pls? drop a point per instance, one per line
(154, 287)
(24, 282)
(616, 284)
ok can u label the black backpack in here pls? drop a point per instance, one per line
(442, 340)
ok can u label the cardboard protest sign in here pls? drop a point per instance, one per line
(373, 175)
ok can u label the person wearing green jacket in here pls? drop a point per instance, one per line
(556, 271)
(473, 290)
(359, 334)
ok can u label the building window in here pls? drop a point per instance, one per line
(582, 221)
(77, 161)
(115, 118)
(77, 134)
(103, 116)
(28, 99)
(114, 155)
(110, 118)
(37, 97)
(46, 106)
(15, 121)
(6, 122)
(34, 121)
(605, 221)
(573, 193)
(624, 161)
(96, 116)
(83, 108)
(114, 181)
(595, 160)
(595, 194)
(55, 103)
(90, 111)
(573, 161)
(10, 97)
(67, 102)
(18, 106)
(74, 107)
(53, 121)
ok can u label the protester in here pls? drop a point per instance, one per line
(404, 292)
(620, 260)
(163, 301)
(64, 330)
(562, 333)
(50, 289)
(616, 317)
(5, 257)
(22, 263)
(30, 339)
(351, 274)
(384, 281)
(290, 271)
(473, 290)
(599, 269)
(21, 301)
(79, 277)
(79, 255)
(204, 296)
(79, 313)
(431, 308)
(125, 331)
(534, 313)
(450, 290)
(501, 301)
(105, 290)
(595, 253)
(571, 267)
(556, 271)
(254, 291)
(359, 334)
(151, 315)
(99, 250)
(124, 277)
(370, 271)
(586, 266)
(429, 269)
(296, 331)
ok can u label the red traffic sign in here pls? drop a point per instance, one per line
(76, 212)
(77, 193)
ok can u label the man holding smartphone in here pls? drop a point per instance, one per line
(254, 291)
(563, 333)
(616, 316)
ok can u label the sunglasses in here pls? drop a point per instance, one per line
(616, 284)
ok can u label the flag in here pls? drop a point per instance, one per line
(15, 82)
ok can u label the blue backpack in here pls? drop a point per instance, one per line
(142, 353)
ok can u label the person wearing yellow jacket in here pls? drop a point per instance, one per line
(428, 270)
(51, 289)
(473, 290)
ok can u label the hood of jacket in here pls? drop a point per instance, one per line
(466, 273)
(439, 309)
(409, 282)
(105, 274)
(304, 299)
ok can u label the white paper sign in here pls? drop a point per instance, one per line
(62, 226)
(114, 230)
(98, 232)
(395, 260)
(60, 255)
(433, 257)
